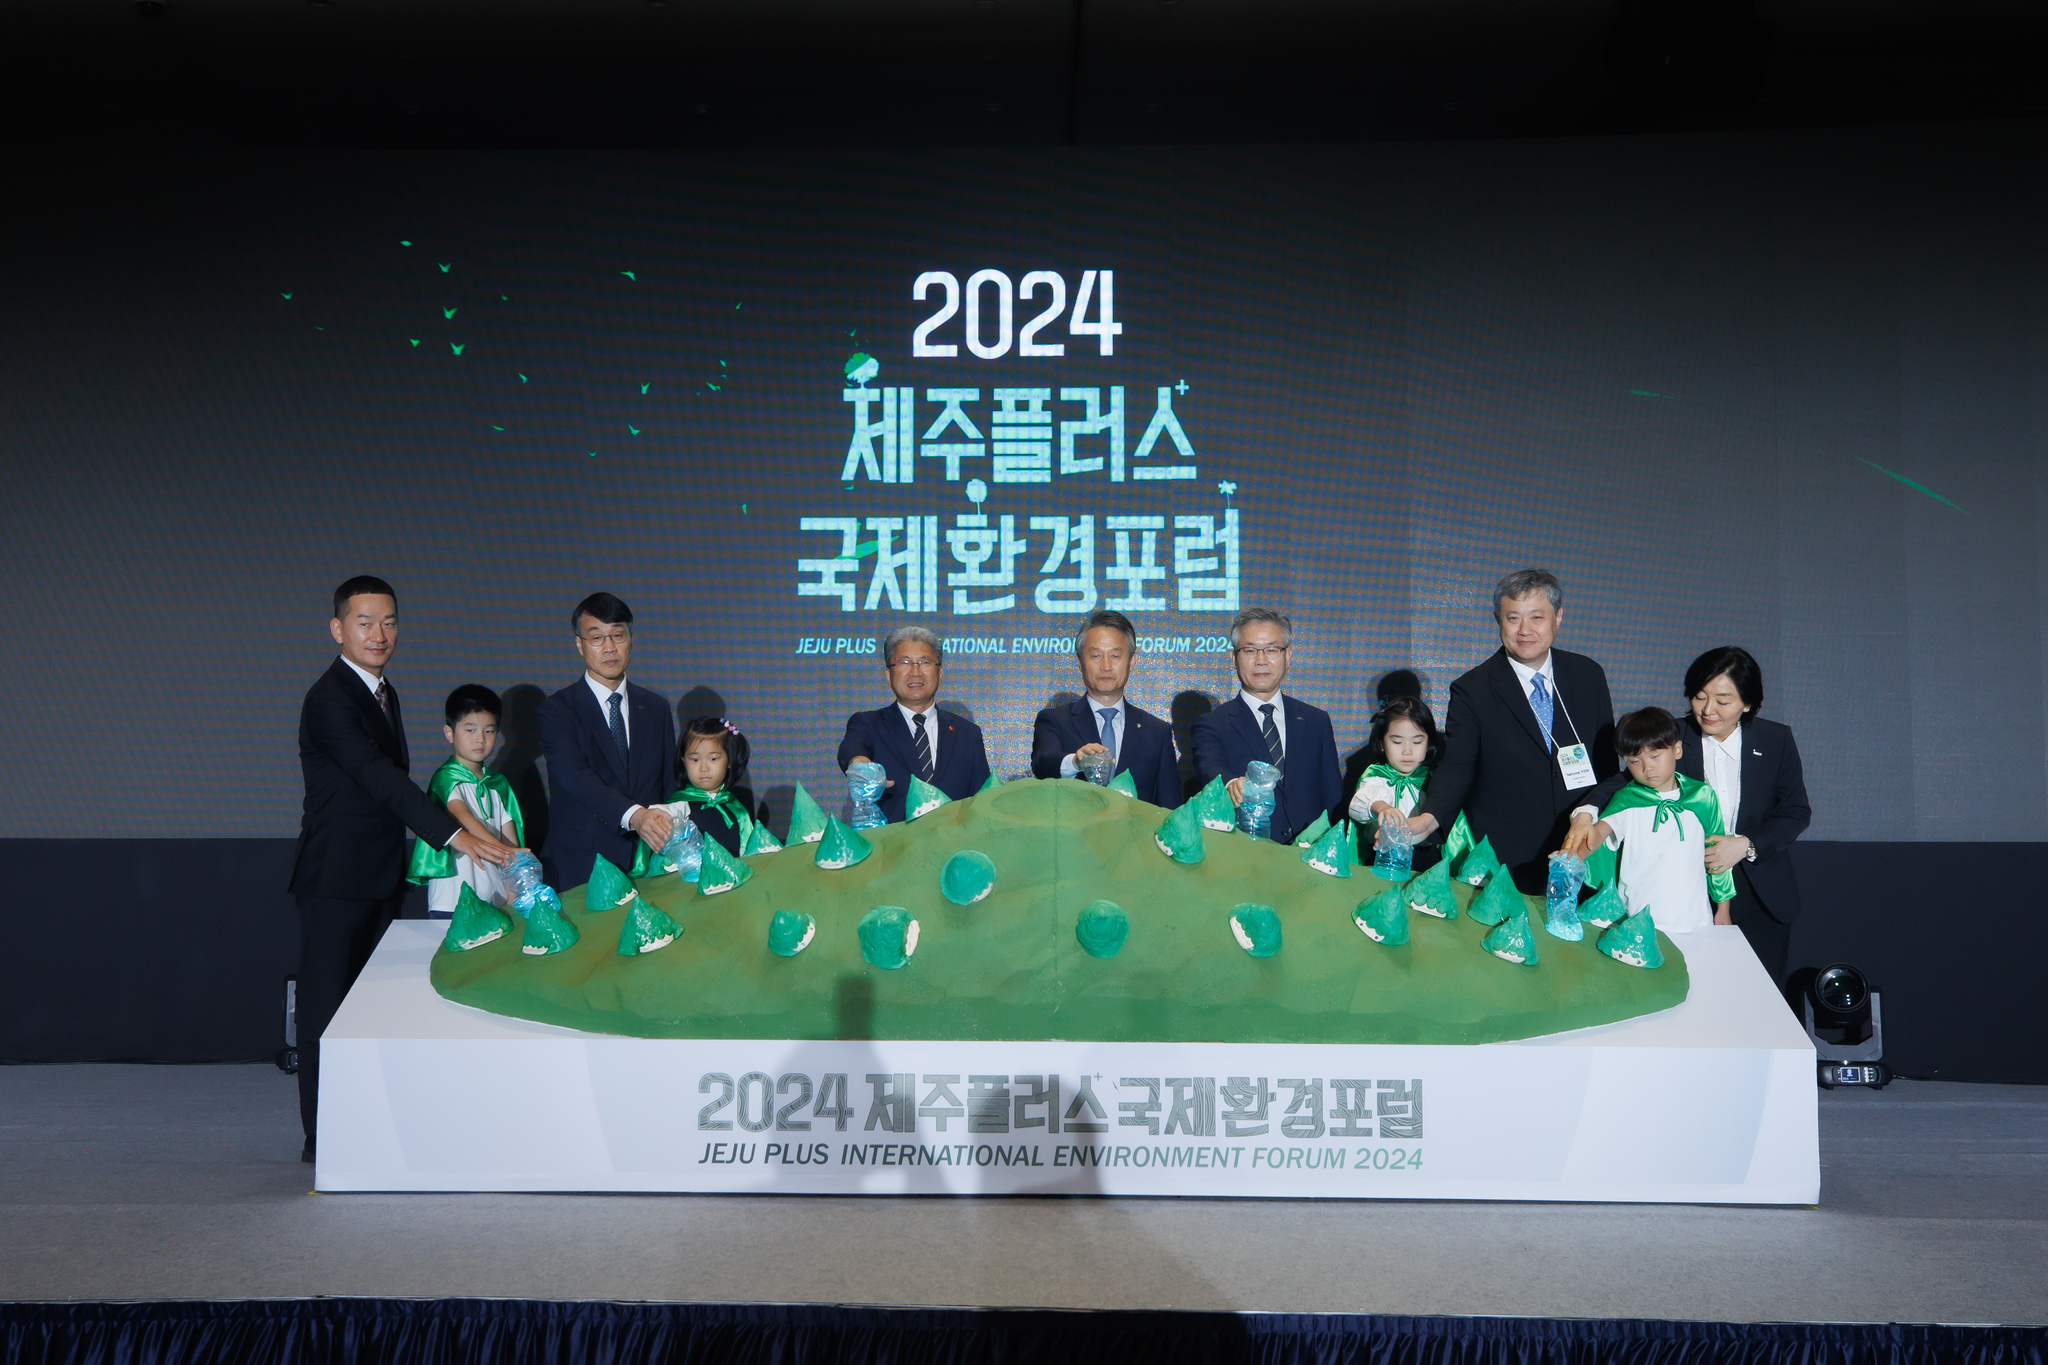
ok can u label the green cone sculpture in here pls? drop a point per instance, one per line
(1124, 784)
(1180, 836)
(842, 845)
(1634, 941)
(1499, 901)
(547, 929)
(1317, 829)
(888, 937)
(608, 888)
(1431, 894)
(967, 877)
(1102, 928)
(1512, 940)
(476, 922)
(759, 840)
(1351, 844)
(1477, 867)
(924, 798)
(1328, 854)
(646, 928)
(990, 785)
(1383, 918)
(790, 932)
(1212, 806)
(1604, 908)
(720, 871)
(806, 818)
(1256, 929)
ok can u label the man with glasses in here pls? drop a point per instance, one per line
(911, 737)
(1261, 724)
(1528, 734)
(611, 752)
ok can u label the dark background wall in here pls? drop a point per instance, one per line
(180, 950)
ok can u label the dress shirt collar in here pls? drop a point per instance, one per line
(1731, 746)
(1523, 672)
(1096, 708)
(370, 680)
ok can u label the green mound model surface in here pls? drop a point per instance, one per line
(1013, 966)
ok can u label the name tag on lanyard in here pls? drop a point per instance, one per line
(1572, 759)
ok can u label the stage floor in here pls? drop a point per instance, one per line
(184, 1182)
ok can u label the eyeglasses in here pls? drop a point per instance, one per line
(916, 665)
(615, 637)
(1263, 652)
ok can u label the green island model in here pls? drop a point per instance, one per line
(1010, 965)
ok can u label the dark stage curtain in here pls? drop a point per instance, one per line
(458, 1331)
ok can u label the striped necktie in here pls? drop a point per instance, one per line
(1272, 734)
(924, 749)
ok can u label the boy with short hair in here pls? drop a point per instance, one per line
(1661, 822)
(480, 800)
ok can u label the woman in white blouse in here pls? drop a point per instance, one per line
(1753, 766)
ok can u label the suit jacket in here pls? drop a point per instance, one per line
(359, 797)
(1144, 749)
(962, 765)
(1774, 809)
(1500, 771)
(1229, 738)
(588, 789)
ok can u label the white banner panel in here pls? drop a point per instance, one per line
(1713, 1101)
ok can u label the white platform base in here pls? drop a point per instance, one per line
(1711, 1102)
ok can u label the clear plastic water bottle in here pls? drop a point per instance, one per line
(864, 782)
(685, 846)
(1393, 857)
(522, 880)
(1561, 896)
(1255, 811)
(1098, 768)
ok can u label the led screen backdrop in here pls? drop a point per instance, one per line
(1788, 391)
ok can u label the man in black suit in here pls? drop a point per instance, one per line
(1528, 734)
(1260, 724)
(1102, 722)
(348, 873)
(911, 737)
(610, 747)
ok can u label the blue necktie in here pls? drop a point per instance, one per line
(1108, 714)
(1539, 702)
(618, 723)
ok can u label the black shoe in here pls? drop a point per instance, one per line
(307, 1155)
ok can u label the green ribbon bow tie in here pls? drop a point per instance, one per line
(1402, 783)
(719, 801)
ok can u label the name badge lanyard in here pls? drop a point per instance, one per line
(1573, 762)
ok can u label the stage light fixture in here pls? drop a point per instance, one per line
(1845, 1019)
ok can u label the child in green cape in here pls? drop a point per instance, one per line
(1661, 822)
(480, 800)
(712, 758)
(1404, 742)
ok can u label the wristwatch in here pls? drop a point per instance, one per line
(1750, 856)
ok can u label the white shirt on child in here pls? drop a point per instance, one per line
(1663, 870)
(1376, 789)
(486, 879)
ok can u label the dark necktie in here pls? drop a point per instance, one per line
(1272, 734)
(924, 749)
(384, 703)
(1108, 714)
(618, 723)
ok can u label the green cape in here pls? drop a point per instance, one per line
(1693, 795)
(430, 863)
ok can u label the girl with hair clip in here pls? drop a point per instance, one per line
(1403, 745)
(712, 759)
